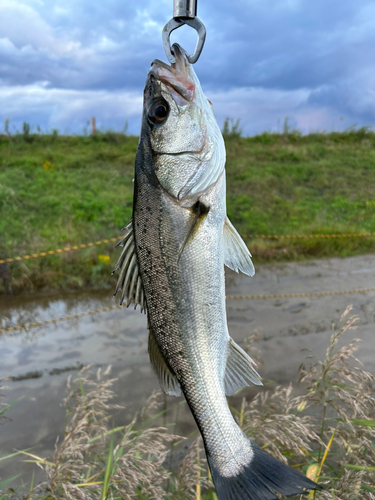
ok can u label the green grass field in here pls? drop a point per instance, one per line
(57, 191)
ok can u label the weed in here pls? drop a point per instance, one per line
(26, 131)
(328, 433)
(345, 394)
(231, 128)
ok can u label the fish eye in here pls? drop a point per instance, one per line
(158, 112)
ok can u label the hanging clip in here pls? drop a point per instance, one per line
(184, 12)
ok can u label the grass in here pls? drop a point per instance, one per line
(327, 433)
(57, 191)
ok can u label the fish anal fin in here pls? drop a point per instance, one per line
(240, 370)
(236, 254)
(129, 280)
(167, 379)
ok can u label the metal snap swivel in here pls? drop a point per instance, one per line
(184, 12)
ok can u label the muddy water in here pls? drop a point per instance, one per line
(37, 362)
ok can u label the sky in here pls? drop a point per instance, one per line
(65, 61)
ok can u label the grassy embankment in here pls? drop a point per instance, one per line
(57, 191)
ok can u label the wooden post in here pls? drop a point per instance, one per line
(93, 128)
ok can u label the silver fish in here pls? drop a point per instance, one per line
(172, 264)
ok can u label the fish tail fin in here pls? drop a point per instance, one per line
(260, 479)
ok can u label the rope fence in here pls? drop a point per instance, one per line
(252, 236)
(307, 236)
(59, 250)
(26, 326)
(228, 297)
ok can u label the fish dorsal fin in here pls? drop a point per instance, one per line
(129, 280)
(236, 254)
(240, 370)
(167, 380)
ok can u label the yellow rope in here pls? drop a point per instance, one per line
(57, 320)
(298, 295)
(307, 236)
(228, 297)
(59, 250)
(252, 236)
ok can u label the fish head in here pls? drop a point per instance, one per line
(178, 120)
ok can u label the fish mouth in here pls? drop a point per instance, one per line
(177, 76)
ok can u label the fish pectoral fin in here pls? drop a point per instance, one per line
(129, 280)
(236, 254)
(200, 210)
(167, 379)
(240, 370)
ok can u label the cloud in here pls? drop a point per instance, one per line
(258, 109)
(69, 110)
(311, 60)
(265, 110)
(22, 25)
(354, 98)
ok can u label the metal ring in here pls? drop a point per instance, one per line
(175, 23)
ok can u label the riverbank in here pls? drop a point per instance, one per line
(38, 362)
(58, 191)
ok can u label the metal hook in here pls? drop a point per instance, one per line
(184, 12)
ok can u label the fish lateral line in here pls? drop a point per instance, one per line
(200, 211)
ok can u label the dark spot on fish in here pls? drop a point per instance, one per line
(200, 211)
(200, 208)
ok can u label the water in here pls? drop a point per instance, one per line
(38, 361)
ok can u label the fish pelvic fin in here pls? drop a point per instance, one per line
(236, 254)
(261, 479)
(167, 379)
(129, 280)
(239, 371)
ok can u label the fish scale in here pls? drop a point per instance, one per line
(201, 326)
(176, 246)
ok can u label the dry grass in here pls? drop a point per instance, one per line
(327, 433)
(3, 407)
(89, 465)
(344, 393)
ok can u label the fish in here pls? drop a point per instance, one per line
(172, 264)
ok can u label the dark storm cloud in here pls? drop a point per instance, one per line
(77, 45)
(324, 48)
(298, 44)
(284, 45)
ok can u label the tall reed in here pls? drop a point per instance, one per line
(328, 433)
